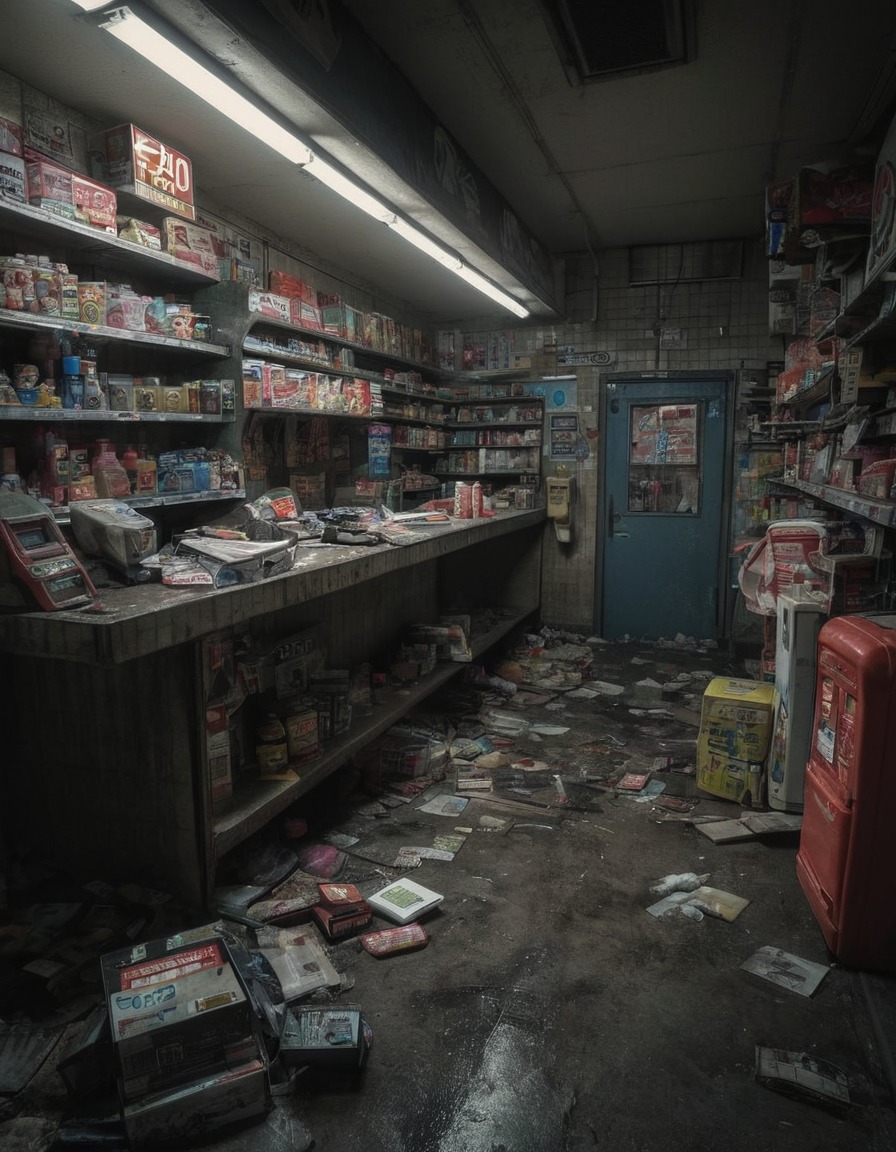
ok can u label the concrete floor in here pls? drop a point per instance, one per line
(551, 1013)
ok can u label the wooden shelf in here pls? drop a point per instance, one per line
(95, 244)
(496, 424)
(63, 514)
(261, 318)
(107, 416)
(254, 807)
(882, 512)
(100, 333)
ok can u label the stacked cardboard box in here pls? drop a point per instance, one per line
(184, 1037)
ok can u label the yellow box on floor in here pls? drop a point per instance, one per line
(736, 724)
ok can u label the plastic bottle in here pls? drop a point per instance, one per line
(477, 500)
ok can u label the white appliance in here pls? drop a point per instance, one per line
(799, 621)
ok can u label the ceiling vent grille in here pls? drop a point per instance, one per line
(600, 40)
(674, 263)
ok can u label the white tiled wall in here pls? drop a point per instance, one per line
(723, 325)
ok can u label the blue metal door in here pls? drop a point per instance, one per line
(663, 497)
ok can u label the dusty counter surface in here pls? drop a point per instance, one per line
(147, 618)
(115, 777)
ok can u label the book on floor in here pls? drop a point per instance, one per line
(404, 901)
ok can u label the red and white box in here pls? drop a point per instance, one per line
(192, 244)
(95, 204)
(139, 163)
(48, 181)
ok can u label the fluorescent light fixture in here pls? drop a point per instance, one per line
(130, 29)
(454, 263)
(348, 189)
(420, 240)
(492, 291)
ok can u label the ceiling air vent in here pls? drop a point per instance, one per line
(597, 40)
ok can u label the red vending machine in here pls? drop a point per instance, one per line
(847, 853)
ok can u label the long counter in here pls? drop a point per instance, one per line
(107, 769)
(147, 618)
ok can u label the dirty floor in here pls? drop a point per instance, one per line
(550, 1012)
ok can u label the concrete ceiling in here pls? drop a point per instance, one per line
(663, 156)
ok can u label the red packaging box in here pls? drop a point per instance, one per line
(139, 163)
(192, 244)
(48, 181)
(95, 204)
(304, 314)
(283, 284)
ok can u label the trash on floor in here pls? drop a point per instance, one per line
(391, 941)
(633, 782)
(803, 1077)
(678, 882)
(700, 902)
(332, 1037)
(786, 970)
(747, 827)
(444, 805)
(404, 901)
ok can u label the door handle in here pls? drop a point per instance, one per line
(611, 517)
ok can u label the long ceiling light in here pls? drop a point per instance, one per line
(131, 29)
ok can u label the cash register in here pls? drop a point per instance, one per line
(38, 568)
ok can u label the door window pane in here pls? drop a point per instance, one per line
(664, 458)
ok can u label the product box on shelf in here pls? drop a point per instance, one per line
(139, 232)
(92, 301)
(49, 184)
(95, 204)
(193, 244)
(68, 294)
(12, 177)
(282, 284)
(269, 304)
(136, 162)
(304, 314)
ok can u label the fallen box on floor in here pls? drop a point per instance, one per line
(324, 1037)
(176, 1014)
(196, 1109)
(404, 901)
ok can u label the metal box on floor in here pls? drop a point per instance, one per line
(847, 851)
(733, 742)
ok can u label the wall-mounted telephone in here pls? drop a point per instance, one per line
(560, 497)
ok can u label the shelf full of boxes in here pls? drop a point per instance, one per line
(832, 246)
(104, 354)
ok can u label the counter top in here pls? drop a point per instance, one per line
(147, 618)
